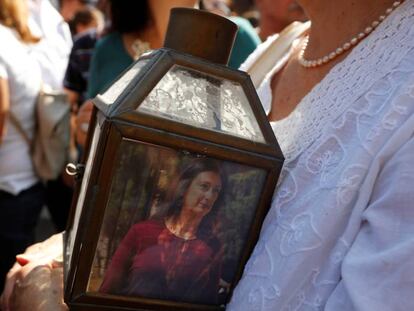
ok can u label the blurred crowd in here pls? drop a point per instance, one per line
(77, 48)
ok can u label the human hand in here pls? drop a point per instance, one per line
(36, 280)
(82, 122)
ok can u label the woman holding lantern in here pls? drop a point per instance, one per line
(339, 234)
(340, 231)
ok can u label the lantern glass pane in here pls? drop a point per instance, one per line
(204, 101)
(113, 92)
(137, 254)
(82, 193)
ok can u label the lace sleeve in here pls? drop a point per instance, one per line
(378, 271)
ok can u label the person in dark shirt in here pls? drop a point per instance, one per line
(77, 72)
(88, 23)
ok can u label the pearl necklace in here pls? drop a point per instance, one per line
(347, 45)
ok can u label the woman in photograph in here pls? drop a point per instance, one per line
(176, 255)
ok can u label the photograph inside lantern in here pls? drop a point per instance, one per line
(175, 225)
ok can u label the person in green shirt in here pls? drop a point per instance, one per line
(136, 27)
(142, 27)
(246, 42)
(247, 38)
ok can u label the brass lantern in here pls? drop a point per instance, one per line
(181, 167)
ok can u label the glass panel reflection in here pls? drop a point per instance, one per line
(82, 194)
(112, 93)
(175, 225)
(205, 101)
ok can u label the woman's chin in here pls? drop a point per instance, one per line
(202, 208)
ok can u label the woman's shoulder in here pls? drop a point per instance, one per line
(10, 36)
(276, 50)
(244, 26)
(15, 53)
(110, 52)
(261, 48)
(214, 243)
(109, 41)
(149, 225)
(5, 31)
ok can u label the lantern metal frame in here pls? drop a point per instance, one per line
(121, 120)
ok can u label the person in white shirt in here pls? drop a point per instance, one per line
(21, 194)
(52, 54)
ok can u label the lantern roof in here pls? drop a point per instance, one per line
(172, 91)
(186, 89)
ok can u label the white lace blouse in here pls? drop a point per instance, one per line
(340, 231)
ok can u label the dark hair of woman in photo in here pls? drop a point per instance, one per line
(175, 255)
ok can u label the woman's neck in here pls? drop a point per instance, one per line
(326, 34)
(184, 226)
(153, 35)
(269, 27)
